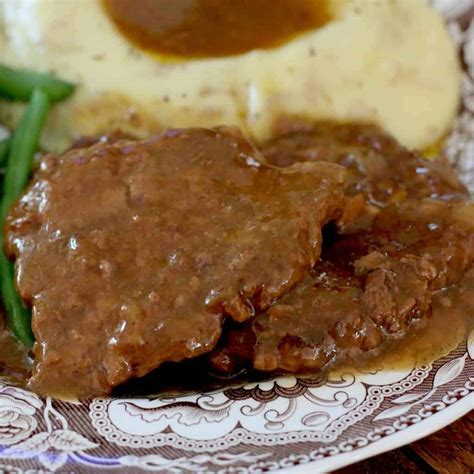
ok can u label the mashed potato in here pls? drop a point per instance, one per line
(388, 62)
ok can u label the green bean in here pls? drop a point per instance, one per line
(4, 151)
(18, 317)
(23, 146)
(18, 84)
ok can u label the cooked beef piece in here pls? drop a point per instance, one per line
(377, 165)
(372, 285)
(370, 288)
(131, 253)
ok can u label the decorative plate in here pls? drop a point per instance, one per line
(287, 424)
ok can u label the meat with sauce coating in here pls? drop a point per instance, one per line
(131, 253)
(375, 282)
(370, 288)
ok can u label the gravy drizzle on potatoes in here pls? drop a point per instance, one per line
(391, 63)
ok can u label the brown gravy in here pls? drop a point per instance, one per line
(15, 363)
(452, 320)
(213, 28)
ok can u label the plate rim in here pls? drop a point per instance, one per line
(416, 432)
